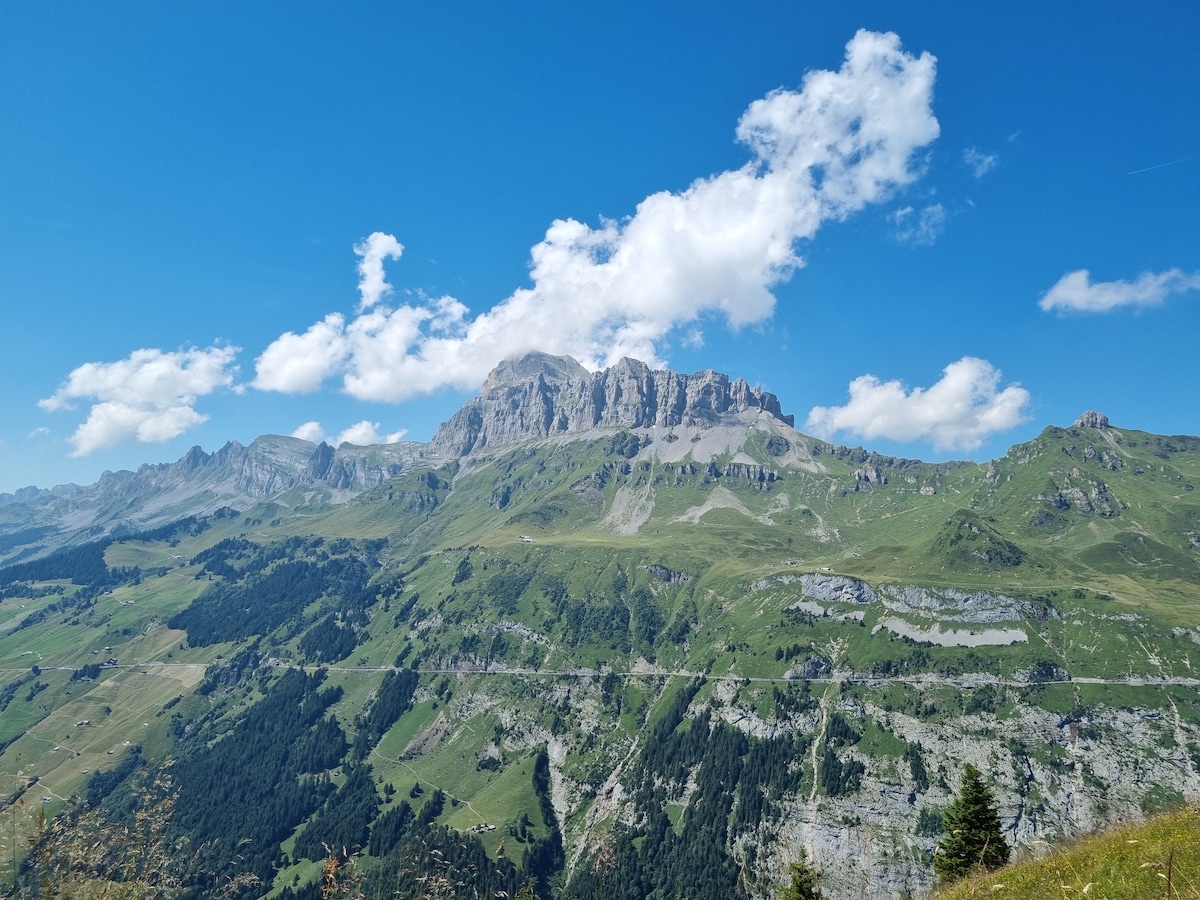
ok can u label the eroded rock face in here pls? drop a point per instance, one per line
(959, 606)
(235, 475)
(538, 396)
(1092, 419)
(274, 463)
(838, 588)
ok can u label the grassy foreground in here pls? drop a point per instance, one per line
(1159, 858)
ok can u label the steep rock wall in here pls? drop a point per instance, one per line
(538, 396)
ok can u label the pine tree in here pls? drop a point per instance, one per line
(803, 884)
(973, 839)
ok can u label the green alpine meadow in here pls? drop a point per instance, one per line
(608, 636)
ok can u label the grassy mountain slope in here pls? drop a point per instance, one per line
(735, 638)
(1122, 864)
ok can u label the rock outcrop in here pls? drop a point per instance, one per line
(1092, 419)
(539, 396)
(285, 469)
(270, 465)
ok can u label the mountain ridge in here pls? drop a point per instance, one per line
(532, 397)
(198, 483)
(719, 639)
(698, 417)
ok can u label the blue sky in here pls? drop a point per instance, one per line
(929, 229)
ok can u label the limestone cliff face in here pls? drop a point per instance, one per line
(269, 465)
(539, 396)
(286, 469)
(1092, 419)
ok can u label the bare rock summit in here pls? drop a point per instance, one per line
(538, 396)
(1091, 419)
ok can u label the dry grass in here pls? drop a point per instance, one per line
(84, 855)
(1159, 858)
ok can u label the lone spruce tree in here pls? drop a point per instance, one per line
(972, 840)
(803, 884)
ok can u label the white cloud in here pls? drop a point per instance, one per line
(920, 228)
(40, 431)
(1075, 291)
(625, 288)
(365, 433)
(372, 287)
(299, 363)
(978, 162)
(361, 434)
(310, 431)
(148, 397)
(956, 413)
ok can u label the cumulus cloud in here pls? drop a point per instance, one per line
(957, 413)
(300, 363)
(978, 162)
(845, 139)
(361, 434)
(372, 286)
(1076, 292)
(920, 228)
(148, 397)
(310, 431)
(365, 433)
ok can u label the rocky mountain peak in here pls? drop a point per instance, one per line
(199, 483)
(1091, 419)
(517, 370)
(538, 396)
